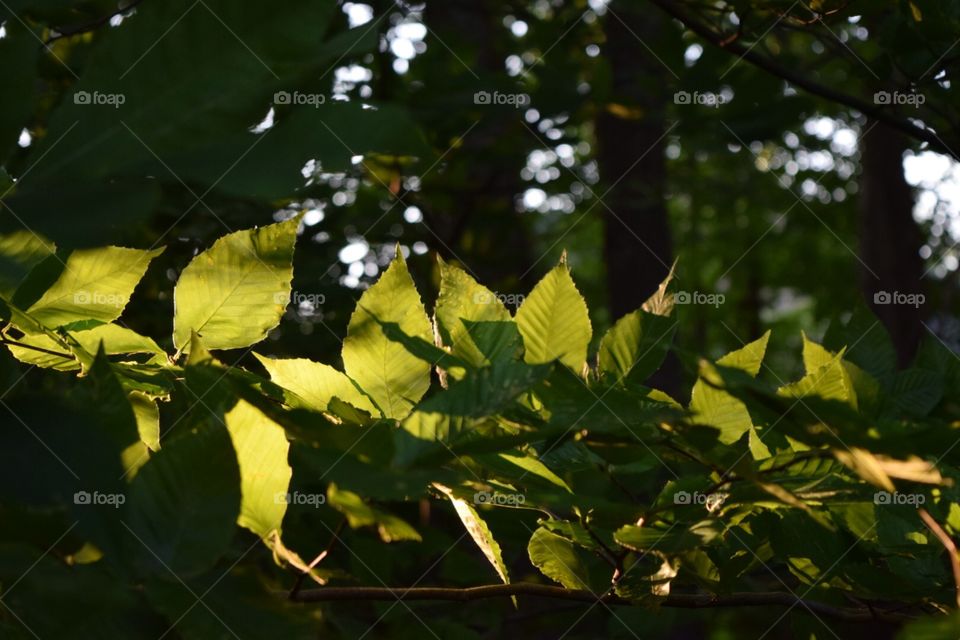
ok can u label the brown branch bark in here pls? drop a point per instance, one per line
(680, 601)
(763, 62)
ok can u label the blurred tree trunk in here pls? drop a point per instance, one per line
(890, 240)
(631, 139)
(481, 224)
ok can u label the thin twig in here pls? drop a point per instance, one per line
(323, 554)
(67, 32)
(748, 53)
(947, 543)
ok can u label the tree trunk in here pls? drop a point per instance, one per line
(890, 240)
(630, 155)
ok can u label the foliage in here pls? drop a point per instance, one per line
(153, 491)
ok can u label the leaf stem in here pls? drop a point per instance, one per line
(33, 348)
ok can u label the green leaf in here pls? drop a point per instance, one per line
(20, 251)
(634, 347)
(719, 409)
(95, 284)
(119, 416)
(315, 383)
(672, 540)
(572, 531)
(554, 322)
(534, 467)
(261, 447)
(148, 418)
(832, 381)
(933, 355)
(184, 503)
(479, 532)
(114, 339)
(749, 358)
(48, 358)
(421, 431)
(915, 392)
(865, 388)
(616, 410)
(233, 293)
(485, 391)
(426, 351)
(865, 342)
(394, 378)
(223, 60)
(269, 165)
(360, 514)
(815, 355)
(464, 304)
(556, 557)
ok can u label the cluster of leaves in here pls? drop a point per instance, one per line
(152, 460)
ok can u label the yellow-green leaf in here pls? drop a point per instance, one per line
(719, 409)
(557, 558)
(479, 531)
(473, 321)
(360, 514)
(261, 447)
(393, 377)
(315, 383)
(554, 322)
(233, 293)
(95, 284)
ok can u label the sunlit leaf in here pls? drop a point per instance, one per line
(554, 322)
(233, 293)
(394, 378)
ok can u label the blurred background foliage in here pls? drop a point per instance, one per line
(797, 158)
(642, 140)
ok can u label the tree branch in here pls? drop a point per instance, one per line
(66, 32)
(877, 112)
(680, 601)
